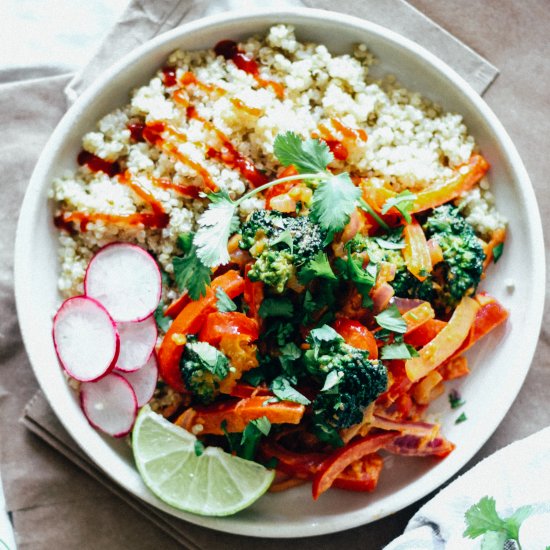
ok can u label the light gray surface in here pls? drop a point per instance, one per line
(520, 99)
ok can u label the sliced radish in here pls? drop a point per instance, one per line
(126, 280)
(143, 381)
(137, 342)
(85, 338)
(110, 404)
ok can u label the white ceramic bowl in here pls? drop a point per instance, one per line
(499, 363)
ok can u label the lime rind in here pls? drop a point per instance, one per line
(213, 484)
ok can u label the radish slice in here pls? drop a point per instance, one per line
(110, 404)
(143, 381)
(85, 338)
(126, 280)
(137, 342)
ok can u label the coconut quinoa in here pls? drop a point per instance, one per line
(410, 142)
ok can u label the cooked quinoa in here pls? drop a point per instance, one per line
(411, 143)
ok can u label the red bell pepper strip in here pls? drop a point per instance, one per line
(338, 461)
(243, 390)
(177, 305)
(489, 316)
(425, 333)
(357, 335)
(253, 294)
(302, 465)
(361, 475)
(230, 323)
(190, 321)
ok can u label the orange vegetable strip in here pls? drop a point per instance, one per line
(455, 367)
(422, 392)
(418, 315)
(189, 321)
(490, 315)
(416, 252)
(436, 254)
(434, 195)
(437, 195)
(338, 461)
(446, 342)
(177, 305)
(237, 414)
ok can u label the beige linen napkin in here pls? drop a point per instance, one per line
(55, 504)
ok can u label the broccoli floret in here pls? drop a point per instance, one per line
(457, 276)
(281, 244)
(463, 255)
(274, 268)
(203, 367)
(351, 383)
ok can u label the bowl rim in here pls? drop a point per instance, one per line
(24, 235)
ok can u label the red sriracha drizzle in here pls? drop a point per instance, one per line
(97, 164)
(229, 50)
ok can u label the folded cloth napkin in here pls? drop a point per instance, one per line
(516, 476)
(44, 492)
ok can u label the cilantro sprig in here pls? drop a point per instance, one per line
(334, 197)
(483, 519)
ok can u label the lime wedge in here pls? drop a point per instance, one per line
(213, 484)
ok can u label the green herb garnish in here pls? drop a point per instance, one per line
(497, 252)
(403, 203)
(483, 519)
(334, 197)
(392, 320)
(224, 303)
(461, 418)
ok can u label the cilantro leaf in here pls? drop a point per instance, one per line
(185, 242)
(483, 517)
(276, 307)
(455, 400)
(403, 202)
(391, 319)
(398, 350)
(317, 268)
(210, 358)
(333, 201)
(389, 245)
(497, 252)
(190, 273)
(290, 353)
(285, 392)
(461, 418)
(199, 447)
(324, 334)
(224, 303)
(310, 155)
(216, 224)
(333, 379)
(246, 443)
(286, 238)
(163, 323)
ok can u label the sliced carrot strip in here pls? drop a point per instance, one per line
(237, 414)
